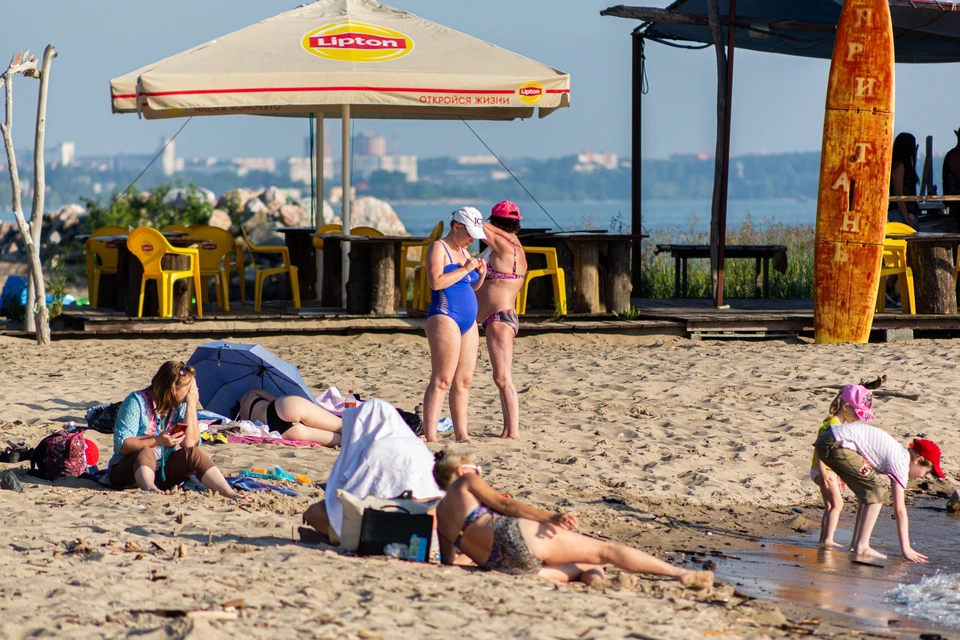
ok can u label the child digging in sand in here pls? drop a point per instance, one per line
(500, 534)
(853, 403)
(863, 457)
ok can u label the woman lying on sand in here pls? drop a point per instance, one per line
(146, 436)
(506, 535)
(295, 418)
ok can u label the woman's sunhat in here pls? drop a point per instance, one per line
(506, 209)
(472, 219)
(860, 398)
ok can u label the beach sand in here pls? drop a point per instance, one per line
(685, 449)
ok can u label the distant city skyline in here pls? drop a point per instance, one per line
(778, 100)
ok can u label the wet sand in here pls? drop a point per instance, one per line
(689, 450)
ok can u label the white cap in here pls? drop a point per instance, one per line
(472, 220)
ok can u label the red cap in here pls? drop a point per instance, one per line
(506, 209)
(91, 451)
(930, 451)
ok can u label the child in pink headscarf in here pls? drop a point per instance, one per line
(854, 403)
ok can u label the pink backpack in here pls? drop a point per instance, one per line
(59, 455)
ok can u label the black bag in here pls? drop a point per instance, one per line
(380, 527)
(102, 417)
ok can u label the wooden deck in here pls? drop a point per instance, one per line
(753, 318)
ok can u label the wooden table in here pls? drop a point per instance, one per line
(930, 257)
(762, 253)
(373, 285)
(598, 265)
(303, 255)
(130, 275)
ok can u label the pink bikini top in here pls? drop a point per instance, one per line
(493, 274)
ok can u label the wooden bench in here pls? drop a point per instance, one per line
(762, 253)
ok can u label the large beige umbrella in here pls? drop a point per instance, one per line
(346, 58)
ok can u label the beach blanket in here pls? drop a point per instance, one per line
(252, 484)
(380, 456)
(262, 440)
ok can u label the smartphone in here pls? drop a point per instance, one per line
(178, 428)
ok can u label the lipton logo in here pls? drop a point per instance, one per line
(146, 247)
(356, 42)
(208, 246)
(530, 92)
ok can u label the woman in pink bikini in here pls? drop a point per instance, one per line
(497, 303)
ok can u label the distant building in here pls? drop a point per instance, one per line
(369, 144)
(407, 165)
(243, 166)
(168, 158)
(298, 169)
(477, 160)
(68, 153)
(588, 162)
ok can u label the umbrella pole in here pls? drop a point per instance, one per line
(318, 170)
(345, 201)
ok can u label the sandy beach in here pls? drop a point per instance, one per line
(670, 445)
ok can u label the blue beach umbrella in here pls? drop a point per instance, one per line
(227, 370)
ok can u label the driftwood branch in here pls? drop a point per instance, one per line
(880, 393)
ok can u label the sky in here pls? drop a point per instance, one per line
(778, 100)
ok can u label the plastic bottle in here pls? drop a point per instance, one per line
(350, 402)
(71, 426)
(397, 550)
(418, 548)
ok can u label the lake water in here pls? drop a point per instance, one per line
(421, 218)
(915, 597)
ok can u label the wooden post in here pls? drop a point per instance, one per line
(932, 265)
(331, 287)
(636, 150)
(587, 293)
(359, 283)
(383, 286)
(617, 284)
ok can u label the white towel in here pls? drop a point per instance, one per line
(380, 456)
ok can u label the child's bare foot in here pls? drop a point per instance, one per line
(506, 435)
(869, 552)
(696, 579)
(463, 440)
(830, 544)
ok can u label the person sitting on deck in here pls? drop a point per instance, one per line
(151, 424)
(904, 179)
(501, 534)
(951, 179)
(293, 417)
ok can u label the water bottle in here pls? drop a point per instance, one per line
(397, 550)
(71, 426)
(350, 402)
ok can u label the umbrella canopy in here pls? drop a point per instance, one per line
(384, 62)
(227, 370)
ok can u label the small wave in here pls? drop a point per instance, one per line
(935, 598)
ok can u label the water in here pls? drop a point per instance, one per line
(421, 218)
(916, 597)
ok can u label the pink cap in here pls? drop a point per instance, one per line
(860, 398)
(506, 209)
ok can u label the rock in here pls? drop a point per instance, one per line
(368, 211)
(772, 618)
(221, 219)
(254, 206)
(10, 482)
(802, 525)
(235, 199)
(54, 237)
(293, 215)
(260, 227)
(181, 196)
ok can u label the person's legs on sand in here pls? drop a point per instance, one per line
(309, 434)
(443, 334)
(585, 573)
(296, 409)
(462, 379)
(861, 544)
(316, 517)
(499, 336)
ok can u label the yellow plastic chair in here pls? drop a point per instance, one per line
(370, 232)
(101, 259)
(894, 263)
(230, 262)
(176, 228)
(325, 230)
(287, 268)
(556, 275)
(150, 246)
(415, 264)
(215, 261)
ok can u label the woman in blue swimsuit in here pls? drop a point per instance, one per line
(453, 277)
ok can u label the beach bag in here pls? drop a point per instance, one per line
(103, 417)
(59, 455)
(380, 527)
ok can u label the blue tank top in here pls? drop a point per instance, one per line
(458, 301)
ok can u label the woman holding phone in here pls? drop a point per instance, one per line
(156, 436)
